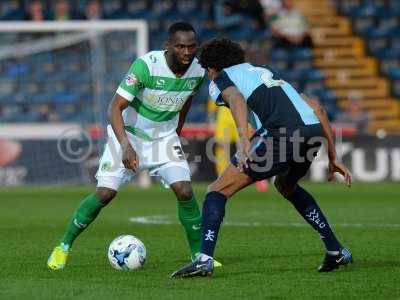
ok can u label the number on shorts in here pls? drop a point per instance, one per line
(179, 152)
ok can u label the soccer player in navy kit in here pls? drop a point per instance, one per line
(289, 130)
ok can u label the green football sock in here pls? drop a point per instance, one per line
(83, 216)
(190, 218)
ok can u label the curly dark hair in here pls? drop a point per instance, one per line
(220, 53)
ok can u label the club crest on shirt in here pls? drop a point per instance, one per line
(191, 84)
(130, 79)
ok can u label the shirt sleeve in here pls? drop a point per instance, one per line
(215, 94)
(135, 80)
(218, 85)
(222, 81)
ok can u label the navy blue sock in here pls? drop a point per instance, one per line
(310, 211)
(213, 214)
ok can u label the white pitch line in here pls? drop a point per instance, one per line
(164, 220)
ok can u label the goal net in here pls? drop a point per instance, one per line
(56, 80)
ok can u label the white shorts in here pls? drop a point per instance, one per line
(162, 157)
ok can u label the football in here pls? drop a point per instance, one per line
(127, 252)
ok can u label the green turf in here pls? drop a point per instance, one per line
(275, 258)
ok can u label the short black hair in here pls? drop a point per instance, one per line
(180, 26)
(220, 53)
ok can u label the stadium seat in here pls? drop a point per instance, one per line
(394, 73)
(238, 34)
(69, 77)
(377, 22)
(302, 54)
(207, 33)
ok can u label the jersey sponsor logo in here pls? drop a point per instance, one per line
(130, 79)
(160, 83)
(169, 101)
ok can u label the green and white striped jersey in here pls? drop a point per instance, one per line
(156, 95)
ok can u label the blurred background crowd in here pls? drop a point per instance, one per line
(345, 53)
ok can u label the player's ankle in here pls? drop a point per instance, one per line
(65, 247)
(203, 257)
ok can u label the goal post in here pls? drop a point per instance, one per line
(61, 72)
(22, 40)
(78, 26)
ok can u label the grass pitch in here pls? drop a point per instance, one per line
(267, 250)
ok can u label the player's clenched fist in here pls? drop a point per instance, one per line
(130, 158)
(243, 153)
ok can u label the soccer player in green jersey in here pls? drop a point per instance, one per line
(147, 114)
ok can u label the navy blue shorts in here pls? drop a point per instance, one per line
(283, 151)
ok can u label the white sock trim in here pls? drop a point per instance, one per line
(204, 257)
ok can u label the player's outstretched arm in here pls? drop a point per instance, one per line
(238, 106)
(334, 165)
(182, 115)
(129, 157)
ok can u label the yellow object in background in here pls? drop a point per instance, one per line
(225, 127)
(225, 135)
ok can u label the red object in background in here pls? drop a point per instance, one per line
(197, 131)
(9, 152)
(344, 131)
(262, 186)
(95, 131)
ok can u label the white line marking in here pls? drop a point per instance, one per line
(165, 220)
(153, 220)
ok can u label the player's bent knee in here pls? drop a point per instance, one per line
(215, 187)
(105, 195)
(183, 190)
(211, 188)
(283, 188)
